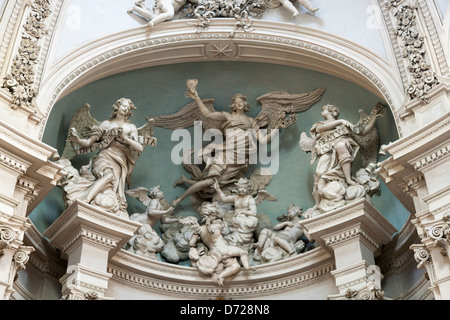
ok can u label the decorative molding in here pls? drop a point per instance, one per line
(15, 16)
(413, 50)
(21, 80)
(275, 278)
(432, 157)
(434, 37)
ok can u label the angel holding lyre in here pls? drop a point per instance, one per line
(119, 144)
(335, 143)
(231, 160)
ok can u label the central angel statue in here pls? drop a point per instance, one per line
(278, 111)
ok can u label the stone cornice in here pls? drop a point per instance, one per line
(268, 279)
(432, 134)
(83, 222)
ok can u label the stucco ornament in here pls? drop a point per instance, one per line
(283, 239)
(227, 162)
(210, 253)
(118, 143)
(163, 10)
(146, 242)
(334, 143)
(414, 50)
(20, 82)
(290, 5)
(204, 10)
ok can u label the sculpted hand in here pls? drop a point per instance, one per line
(347, 124)
(215, 185)
(191, 94)
(170, 210)
(73, 135)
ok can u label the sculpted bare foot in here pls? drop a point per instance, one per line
(179, 181)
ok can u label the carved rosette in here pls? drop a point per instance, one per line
(20, 81)
(423, 78)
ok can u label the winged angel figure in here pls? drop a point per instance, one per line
(119, 143)
(146, 242)
(334, 143)
(230, 160)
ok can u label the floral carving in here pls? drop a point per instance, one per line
(413, 51)
(205, 10)
(20, 81)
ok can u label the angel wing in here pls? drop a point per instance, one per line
(264, 195)
(368, 144)
(307, 144)
(279, 108)
(148, 128)
(186, 116)
(82, 121)
(141, 194)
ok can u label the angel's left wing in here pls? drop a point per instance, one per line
(368, 143)
(279, 108)
(264, 195)
(366, 134)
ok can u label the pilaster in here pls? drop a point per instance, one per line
(354, 234)
(421, 181)
(26, 177)
(88, 237)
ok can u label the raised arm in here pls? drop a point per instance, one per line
(214, 115)
(222, 196)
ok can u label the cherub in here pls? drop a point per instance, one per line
(156, 208)
(245, 219)
(164, 10)
(288, 4)
(221, 260)
(146, 241)
(284, 234)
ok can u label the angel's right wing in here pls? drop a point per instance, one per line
(82, 121)
(141, 194)
(308, 144)
(186, 116)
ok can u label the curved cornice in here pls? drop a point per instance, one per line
(156, 277)
(175, 42)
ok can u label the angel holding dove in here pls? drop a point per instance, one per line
(119, 144)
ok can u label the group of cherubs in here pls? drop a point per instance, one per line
(223, 240)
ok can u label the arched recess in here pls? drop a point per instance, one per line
(270, 42)
(174, 42)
